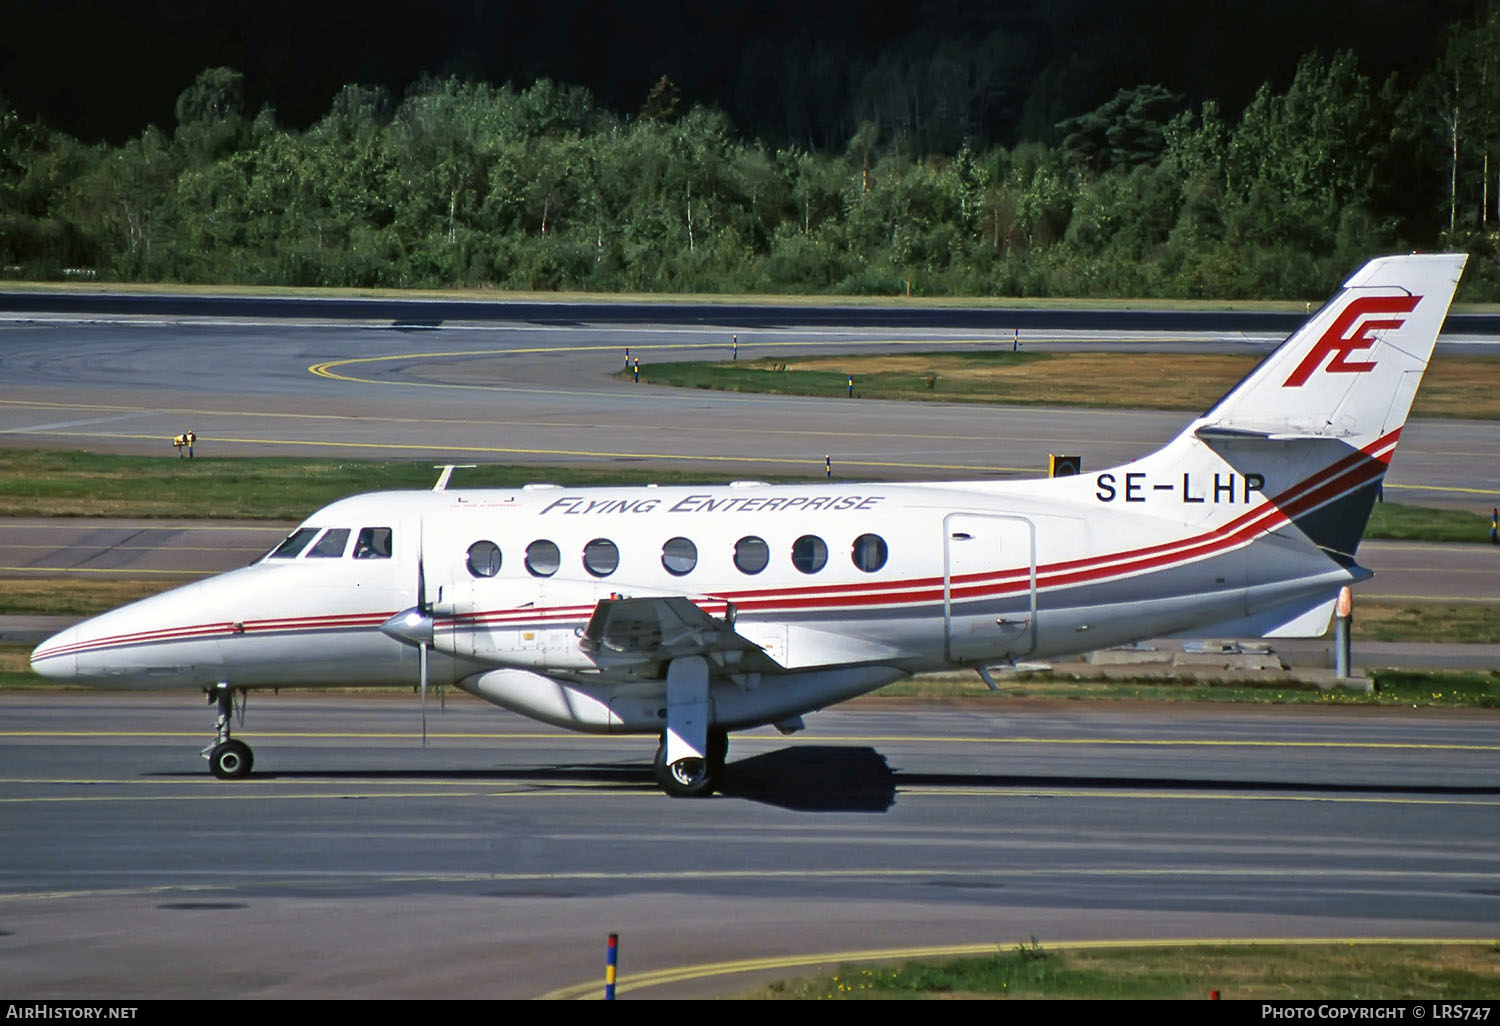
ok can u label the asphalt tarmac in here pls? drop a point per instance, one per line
(494, 863)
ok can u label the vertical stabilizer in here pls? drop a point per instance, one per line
(1319, 419)
(1306, 438)
(1352, 371)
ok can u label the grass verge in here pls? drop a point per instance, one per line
(1458, 623)
(1410, 688)
(1280, 972)
(1454, 386)
(70, 483)
(54, 596)
(1399, 522)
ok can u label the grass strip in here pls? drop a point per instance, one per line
(1454, 386)
(1352, 971)
(1457, 623)
(1410, 688)
(1401, 522)
(71, 596)
(71, 483)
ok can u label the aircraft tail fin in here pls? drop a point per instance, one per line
(1318, 420)
(1352, 370)
(1306, 438)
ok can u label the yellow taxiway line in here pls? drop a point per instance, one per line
(627, 982)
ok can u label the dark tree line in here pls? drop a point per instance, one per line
(459, 182)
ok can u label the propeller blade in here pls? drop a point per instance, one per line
(422, 676)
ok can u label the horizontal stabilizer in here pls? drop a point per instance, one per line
(1211, 433)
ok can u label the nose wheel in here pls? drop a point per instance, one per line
(228, 759)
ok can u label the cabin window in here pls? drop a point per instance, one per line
(294, 543)
(331, 545)
(601, 557)
(373, 543)
(484, 559)
(751, 554)
(542, 558)
(869, 552)
(679, 556)
(809, 554)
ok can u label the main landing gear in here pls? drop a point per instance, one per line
(690, 759)
(227, 759)
(693, 778)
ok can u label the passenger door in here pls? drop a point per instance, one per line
(989, 587)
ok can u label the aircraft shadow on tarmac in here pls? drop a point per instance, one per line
(804, 779)
(831, 778)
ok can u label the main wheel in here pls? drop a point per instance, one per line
(230, 760)
(685, 778)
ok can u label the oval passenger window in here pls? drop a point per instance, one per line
(869, 552)
(601, 557)
(542, 558)
(751, 554)
(484, 559)
(679, 556)
(809, 553)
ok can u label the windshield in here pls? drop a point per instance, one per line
(294, 544)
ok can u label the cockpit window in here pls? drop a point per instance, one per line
(331, 545)
(294, 543)
(373, 543)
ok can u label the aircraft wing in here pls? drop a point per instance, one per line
(660, 629)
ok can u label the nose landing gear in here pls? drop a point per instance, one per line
(228, 759)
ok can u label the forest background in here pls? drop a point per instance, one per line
(977, 163)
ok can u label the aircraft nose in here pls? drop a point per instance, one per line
(56, 658)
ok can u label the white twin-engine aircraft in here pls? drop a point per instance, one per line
(688, 612)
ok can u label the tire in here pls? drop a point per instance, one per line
(231, 760)
(685, 778)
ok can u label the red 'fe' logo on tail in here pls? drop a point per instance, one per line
(1340, 341)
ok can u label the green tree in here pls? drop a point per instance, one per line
(210, 122)
(126, 198)
(1127, 131)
